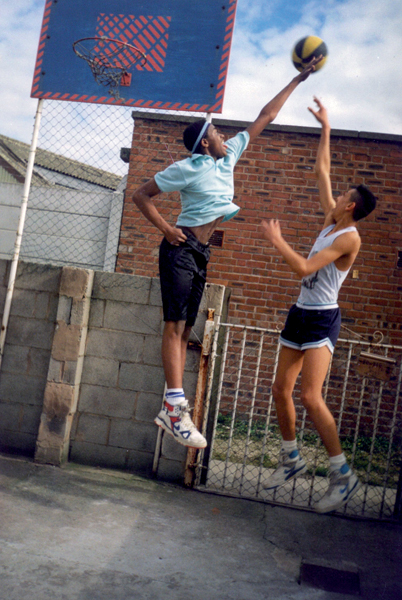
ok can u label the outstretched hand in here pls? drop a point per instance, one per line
(310, 68)
(321, 114)
(271, 231)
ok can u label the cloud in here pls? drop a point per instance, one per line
(361, 83)
(19, 34)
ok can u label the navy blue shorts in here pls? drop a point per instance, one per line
(183, 274)
(306, 329)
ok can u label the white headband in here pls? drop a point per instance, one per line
(203, 130)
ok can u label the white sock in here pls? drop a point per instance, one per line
(288, 447)
(174, 396)
(336, 462)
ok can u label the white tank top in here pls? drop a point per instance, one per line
(320, 290)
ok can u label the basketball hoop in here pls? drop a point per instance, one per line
(109, 60)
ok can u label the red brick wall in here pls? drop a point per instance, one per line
(275, 179)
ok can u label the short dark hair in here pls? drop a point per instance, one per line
(191, 133)
(365, 202)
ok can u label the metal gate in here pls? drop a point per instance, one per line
(362, 390)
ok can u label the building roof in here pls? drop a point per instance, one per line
(14, 158)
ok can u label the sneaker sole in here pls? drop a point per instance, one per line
(294, 476)
(163, 426)
(341, 503)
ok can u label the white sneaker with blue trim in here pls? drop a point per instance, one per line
(291, 465)
(176, 421)
(343, 484)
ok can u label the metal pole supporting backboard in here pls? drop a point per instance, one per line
(20, 229)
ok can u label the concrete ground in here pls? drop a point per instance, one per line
(81, 533)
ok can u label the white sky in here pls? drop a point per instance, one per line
(361, 84)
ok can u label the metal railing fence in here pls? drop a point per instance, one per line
(363, 392)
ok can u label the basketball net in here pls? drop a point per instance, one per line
(109, 60)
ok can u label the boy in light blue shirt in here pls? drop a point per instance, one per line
(205, 183)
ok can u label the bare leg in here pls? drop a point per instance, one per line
(289, 366)
(315, 367)
(174, 349)
(175, 418)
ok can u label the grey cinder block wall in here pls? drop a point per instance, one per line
(82, 377)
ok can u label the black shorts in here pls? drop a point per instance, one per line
(183, 273)
(305, 329)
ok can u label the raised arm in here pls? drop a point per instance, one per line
(270, 110)
(323, 162)
(142, 197)
(342, 251)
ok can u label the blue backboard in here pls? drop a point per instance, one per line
(186, 43)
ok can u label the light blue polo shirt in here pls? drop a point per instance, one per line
(206, 186)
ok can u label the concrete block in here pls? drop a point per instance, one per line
(155, 297)
(92, 428)
(79, 312)
(58, 400)
(53, 433)
(10, 415)
(42, 301)
(23, 303)
(133, 435)
(97, 312)
(121, 287)
(152, 350)
(123, 346)
(3, 293)
(53, 455)
(193, 360)
(66, 341)
(4, 264)
(98, 455)
(64, 309)
(52, 307)
(74, 282)
(140, 462)
(17, 441)
(170, 470)
(15, 359)
(43, 277)
(173, 450)
(38, 362)
(148, 406)
(190, 384)
(22, 389)
(30, 419)
(27, 332)
(100, 371)
(142, 379)
(109, 402)
(133, 317)
(72, 372)
(55, 370)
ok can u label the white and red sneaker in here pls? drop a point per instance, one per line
(176, 421)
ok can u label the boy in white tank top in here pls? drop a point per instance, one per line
(313, 324)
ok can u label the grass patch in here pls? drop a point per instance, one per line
(246, 446)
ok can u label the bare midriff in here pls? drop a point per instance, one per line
(204, 232)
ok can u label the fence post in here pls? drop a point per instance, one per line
(189, 473)
(20, 229)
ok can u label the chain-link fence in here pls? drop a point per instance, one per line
(76, 197)
(362, 390)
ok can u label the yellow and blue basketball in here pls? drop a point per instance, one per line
(308, 48)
